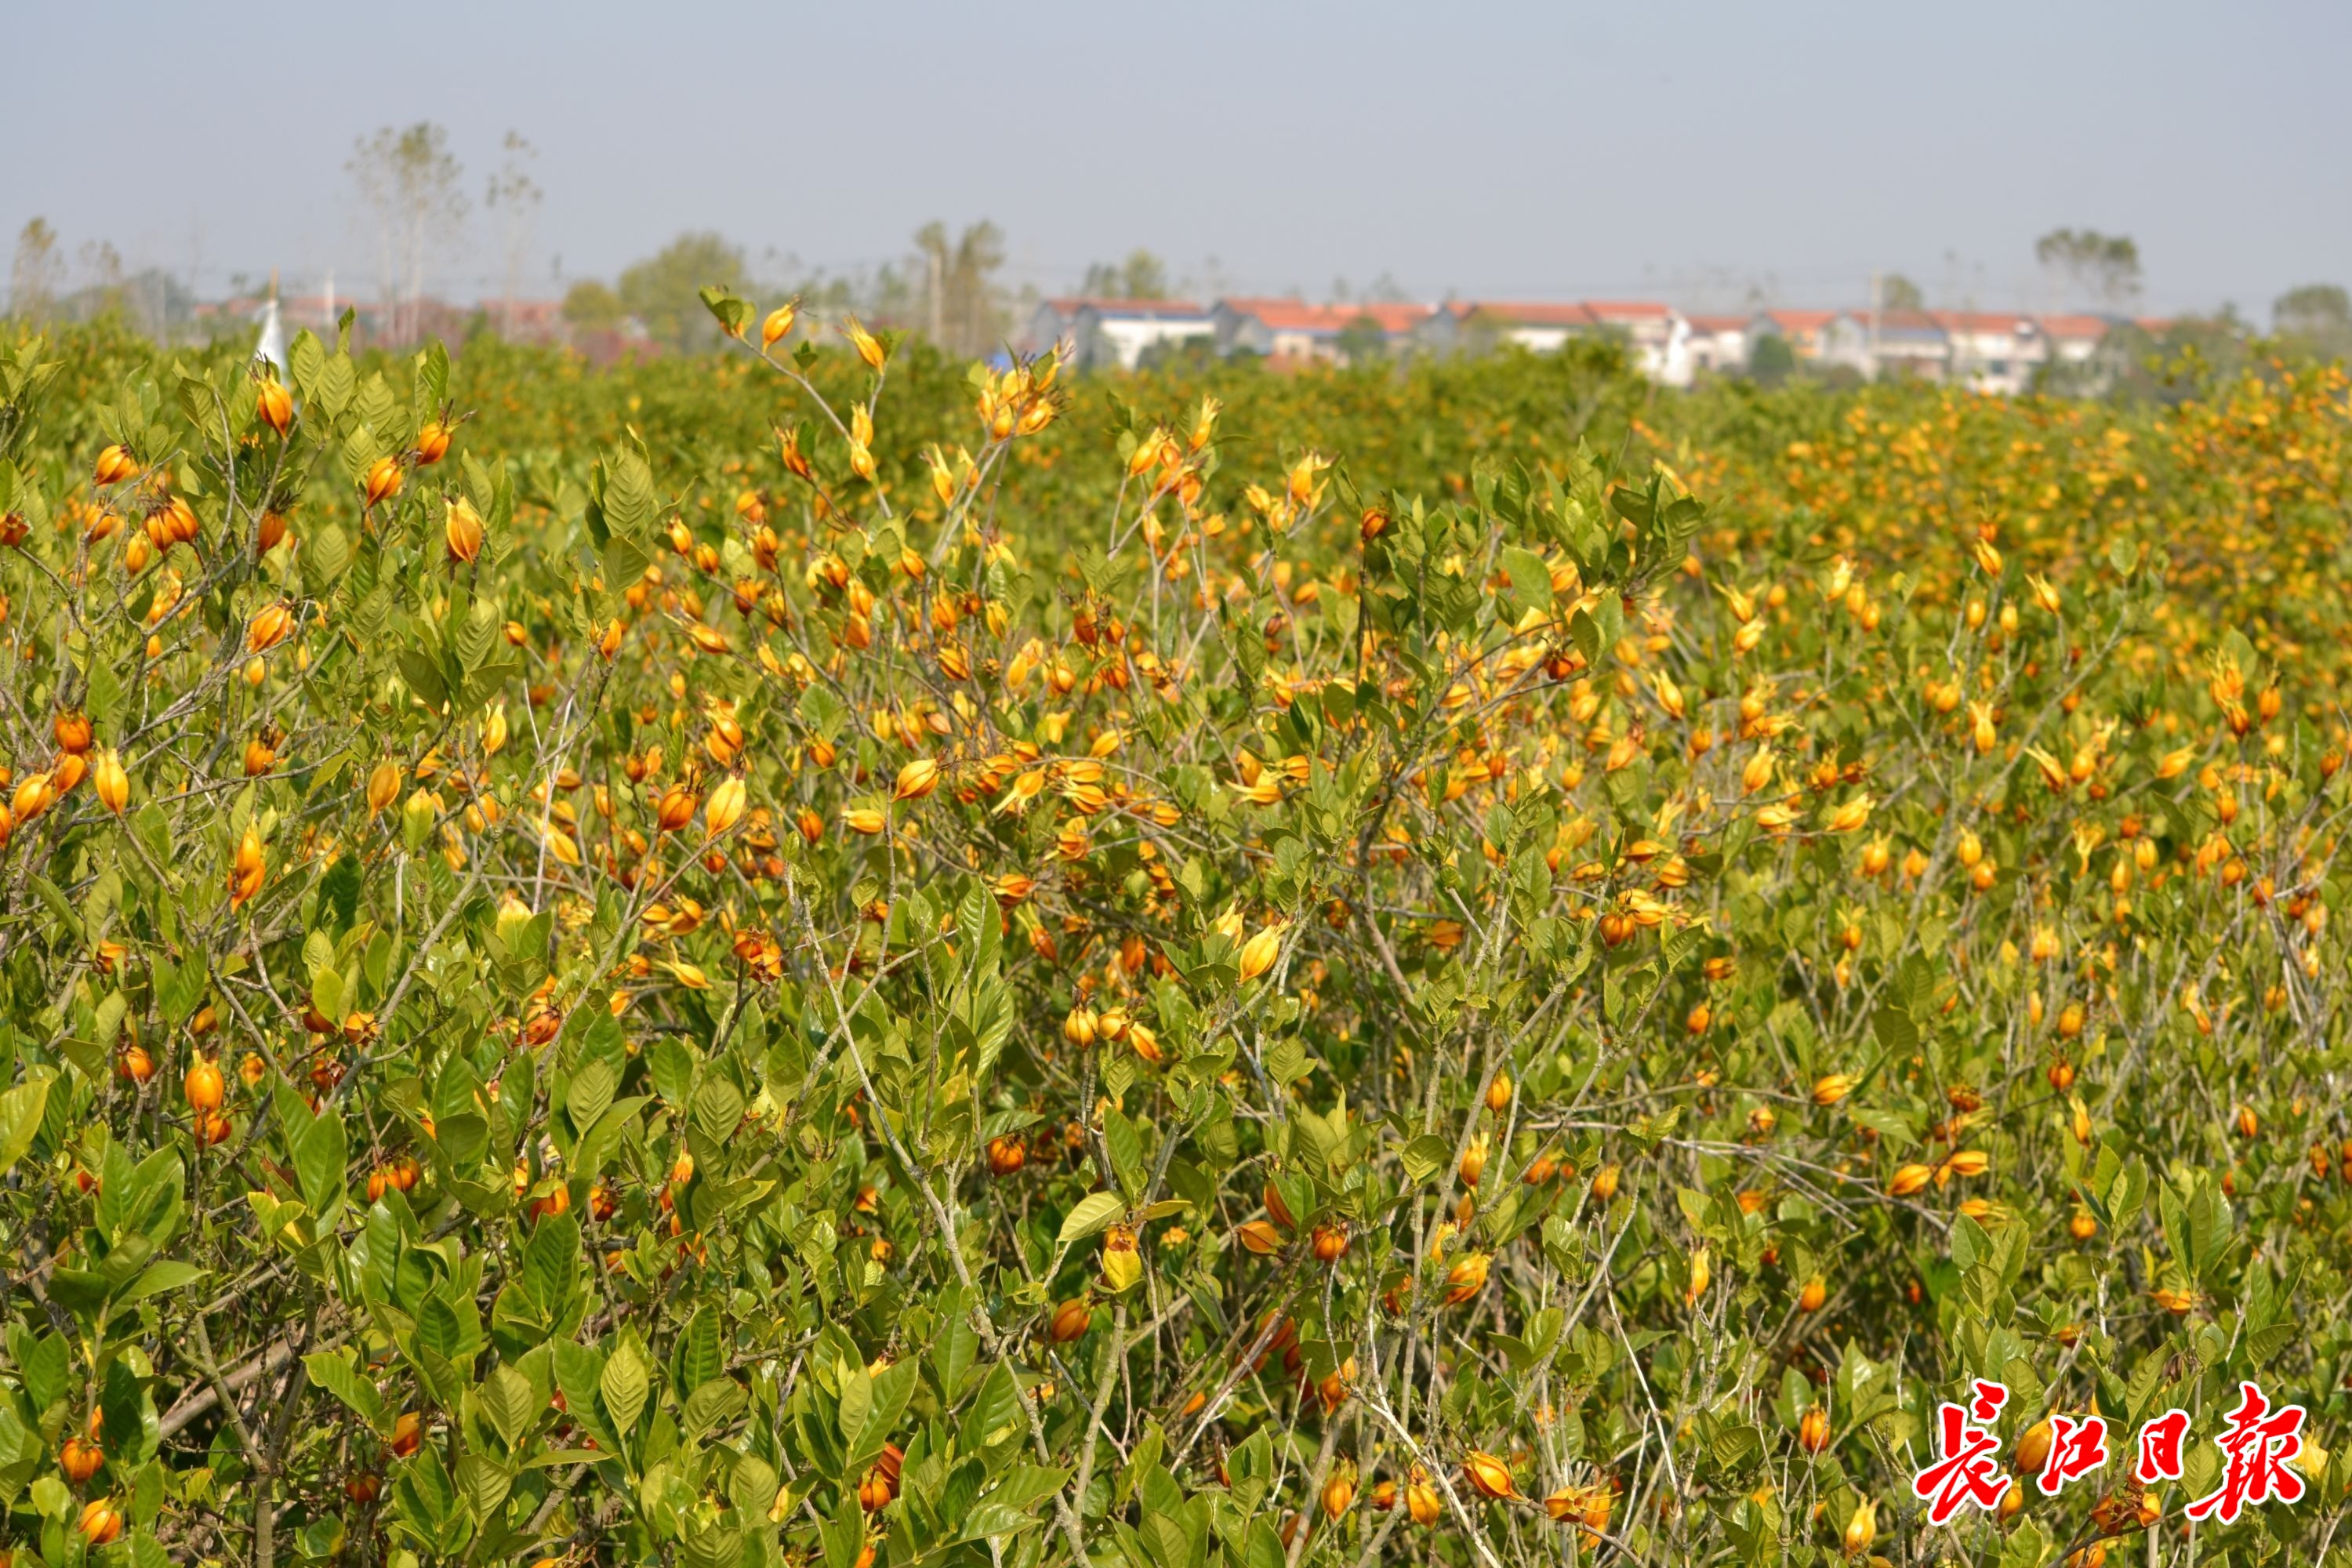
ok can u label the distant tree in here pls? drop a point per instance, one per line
(1772, 361)
(1142, 276)
(1896, 293)
(664, 291)
(1363, 341)
(964, 307)
(592, 306)
(102, 291)
(2101, 267)
(33, 277)
(514, 198)
(1196, 355)
(2318, 317)
(409, 181)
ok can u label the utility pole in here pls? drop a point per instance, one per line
(938, 305)
(1877, 295)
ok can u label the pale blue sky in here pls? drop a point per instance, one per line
(1687, 151)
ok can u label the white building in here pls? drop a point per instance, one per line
(1651, 331)
(1103, 333)
(1993, 351)
(1656, 337)
(1292, 331)
(1718, 344)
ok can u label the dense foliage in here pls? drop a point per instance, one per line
(811, 954)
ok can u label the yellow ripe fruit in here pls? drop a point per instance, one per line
(726, 805)
(1828, 1091)
(36, 792)
(1814, 1294)
(1466, 1278)
(115, 464)
(1702, 1274)
(245, 874)
(1498, 1093)
(382, 784)
(778, 324)
(916, 780)
(101, 1521)
(1910, 1179)
(869, 348)
(676, 809)
(275, 406)
(112, 785)
(269, 627)
(1487, 1475)
(1604, 1182)
(1813, 1430)
(1860, 1530)
(80, 1460)
(461, 532)
(384, 480)
(1070, 1320)
(1258, 953)
(2032, 1449)
(204, 1085)
(1259, 1236)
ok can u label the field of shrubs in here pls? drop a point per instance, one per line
(823, 956)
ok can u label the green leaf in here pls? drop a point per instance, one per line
(21, 1109)
(1530, 578)
(624, 1386)
(508, 1400)
(1093, 1215)
(158, 1278)
(319, 1152)
(1425, 1156)
(1895, 1030)
(590, 1091)
(336, 1372)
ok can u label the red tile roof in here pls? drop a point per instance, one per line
(1628, 309)
(1298, 315)
(1800, 320)
(1982, 320)
(1903, 320)
(1709, 323)
(2075, 326)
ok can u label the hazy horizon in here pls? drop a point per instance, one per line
(1701, 154)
